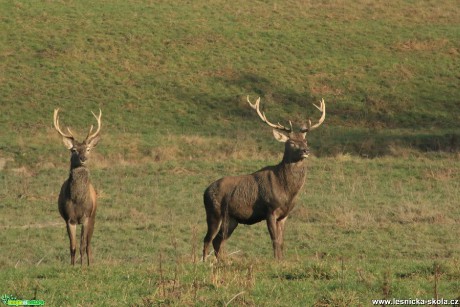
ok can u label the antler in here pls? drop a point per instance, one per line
(98, 118)
(322, 108)
(56, 126)
(262, 116)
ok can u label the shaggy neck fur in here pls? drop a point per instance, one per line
(79, 184)
(292, 174)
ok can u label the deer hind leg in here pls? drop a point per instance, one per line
(83, 239)
(214, 222)
(72, 232)
(226, 229)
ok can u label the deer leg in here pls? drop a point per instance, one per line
(213, 227)
(226, 229)
(89, 252)
(83, 237)
(280, 230)
(273, 230)
(72, 232)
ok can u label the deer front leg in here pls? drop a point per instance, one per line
(89, 253)
(83, 239)
(280, 230)
(273, 230)
(72, 232)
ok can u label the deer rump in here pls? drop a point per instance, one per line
(248, 199)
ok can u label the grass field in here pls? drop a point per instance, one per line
(378, 217)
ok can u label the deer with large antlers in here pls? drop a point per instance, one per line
(77, 199)
(268, 194)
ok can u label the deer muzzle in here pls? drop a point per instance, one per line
(305, 153)
(83, 160)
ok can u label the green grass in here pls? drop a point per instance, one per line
(346, 240)
(377, 217)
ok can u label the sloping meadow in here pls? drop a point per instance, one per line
(376, 219)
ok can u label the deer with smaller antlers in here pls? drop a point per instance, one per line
(268, 194)
(77, 199)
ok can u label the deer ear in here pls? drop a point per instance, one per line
(280, 137)
(93, 142)
(68, 142)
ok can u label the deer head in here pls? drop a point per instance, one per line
(79, 150)
(296, 148)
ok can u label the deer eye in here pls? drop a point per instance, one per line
(73, 149)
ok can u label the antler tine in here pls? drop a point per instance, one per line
(56, 125)
(89, 132)
(262, 116)
(322, 108)
(68, 129)
(98, 118)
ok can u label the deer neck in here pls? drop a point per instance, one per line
(79, 183)
(292, 174)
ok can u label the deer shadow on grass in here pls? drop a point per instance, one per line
(369, 141)
(232, 108)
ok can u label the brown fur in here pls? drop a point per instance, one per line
(77, 205)
(77, 200)
(268, 194)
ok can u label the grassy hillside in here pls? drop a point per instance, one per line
(170, 67)
(171, 78)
